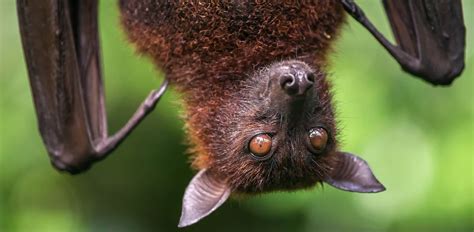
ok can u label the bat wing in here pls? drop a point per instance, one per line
(62, 53)
(430, 36)
(431, 31)
(64, 77)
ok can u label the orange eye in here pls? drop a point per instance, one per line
(260, 145)
(318, 137)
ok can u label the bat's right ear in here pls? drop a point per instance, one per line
(203, 195)
(353, 174)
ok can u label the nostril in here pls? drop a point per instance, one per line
(287, 82)
(310, 78)
(306, 82)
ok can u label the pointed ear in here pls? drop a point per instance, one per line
(353, 174)
(203, 195)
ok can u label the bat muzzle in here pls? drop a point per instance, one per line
(294, 78)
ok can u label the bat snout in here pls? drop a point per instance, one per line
(295, 80)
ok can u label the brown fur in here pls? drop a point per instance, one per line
(214, 52)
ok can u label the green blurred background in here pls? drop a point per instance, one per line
(418, 139)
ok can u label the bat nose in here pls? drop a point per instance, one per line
(296, 82)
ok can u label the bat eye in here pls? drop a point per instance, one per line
(318, 138)
(260, 145)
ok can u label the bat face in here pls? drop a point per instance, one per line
(275, 132)
(279, 130)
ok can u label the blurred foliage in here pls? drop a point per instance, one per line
(418, 139)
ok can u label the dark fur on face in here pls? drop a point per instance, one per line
(220, 55)
(261, 106)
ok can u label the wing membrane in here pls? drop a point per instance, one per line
(61, 45)
(430, 36)
(50, 53)
(433, 32)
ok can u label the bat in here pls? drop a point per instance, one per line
(259, 115)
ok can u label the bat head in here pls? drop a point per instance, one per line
(285, 132)
(276, 133)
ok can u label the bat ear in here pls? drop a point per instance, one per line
(203, 195)
(353, 174)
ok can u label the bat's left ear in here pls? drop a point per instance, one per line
(204, 194)
(353, 174)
